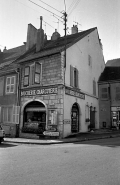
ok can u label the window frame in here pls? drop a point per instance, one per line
(74, 77)
(32, 73)
(103, 93)
(10, 85)
(94, 87)
(7, 114)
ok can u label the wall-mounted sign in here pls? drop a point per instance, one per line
(41, 91)
(75, 93)
(48, 133)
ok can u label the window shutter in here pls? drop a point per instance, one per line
(71, 75)
(37, 75)
(77, 78)
(26, 76)
(16, 110)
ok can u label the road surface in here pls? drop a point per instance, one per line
(86, 163)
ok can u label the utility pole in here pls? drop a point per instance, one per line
(65, 23)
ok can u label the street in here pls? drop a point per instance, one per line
(95, 162)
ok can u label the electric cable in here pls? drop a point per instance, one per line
(44, 8)
(50, 6)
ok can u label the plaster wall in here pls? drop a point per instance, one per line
(77, 56)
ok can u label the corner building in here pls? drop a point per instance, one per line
(59, 92)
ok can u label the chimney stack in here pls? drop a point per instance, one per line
(74, 29)
(40, 37)
(31, 37)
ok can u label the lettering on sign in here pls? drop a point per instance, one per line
(40, 92)
(47, 133)
(72, 92)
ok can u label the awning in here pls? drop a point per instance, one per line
(35, 109)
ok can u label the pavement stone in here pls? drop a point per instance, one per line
(71, 139)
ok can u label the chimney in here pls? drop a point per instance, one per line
(55, 35)
(45, 38)
(40, 37)
(4, 49)
(74, 29)
(31, 37)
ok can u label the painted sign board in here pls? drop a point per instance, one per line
(41, 91)
(73, 92)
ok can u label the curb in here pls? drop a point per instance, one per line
(63, 142)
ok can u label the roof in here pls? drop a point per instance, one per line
(113, 63)
(55, 46)
(110, 74)
(8, 56)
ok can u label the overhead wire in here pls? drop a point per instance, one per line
(50, 6)
(44, 8)
(77, 2)
(71, 6)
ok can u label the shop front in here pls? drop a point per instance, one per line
(34, 119)
(39, 113)
(115, 117)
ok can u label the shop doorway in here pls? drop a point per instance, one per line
(34, 120)
(92, 117)
(75, 118)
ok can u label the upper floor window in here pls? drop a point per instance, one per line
(104, 93)
(33, 74)
(89, 60)
(94, 87)
(10, 84)
(73, 76)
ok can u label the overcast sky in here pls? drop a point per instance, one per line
(15, 15)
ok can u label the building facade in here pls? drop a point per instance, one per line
(9, 93)
(58, 91)
(109, 97)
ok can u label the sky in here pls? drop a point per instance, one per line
(15, 15)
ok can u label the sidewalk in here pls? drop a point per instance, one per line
(71, 139)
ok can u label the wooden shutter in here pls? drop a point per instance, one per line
(77, 78)
(37, 73)
(16, 110)
(26, 76)
(71, 76)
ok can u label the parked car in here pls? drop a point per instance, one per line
(2, 134)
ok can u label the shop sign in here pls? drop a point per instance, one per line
(42, 91)
(48, 133)
(118, 108)
(75, 93)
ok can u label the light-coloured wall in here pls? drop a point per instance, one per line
(77, 56)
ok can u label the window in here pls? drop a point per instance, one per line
(117, 93)
(104, 93)
(10, 84)
(73, 76)
(11, 114)
(37, 73)
(7, 114)
(94, 87)
(26, 76)
(89, 60)
(33, 74)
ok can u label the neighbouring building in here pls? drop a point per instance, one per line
(58, 83)
(109, 95)
(9, 94)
